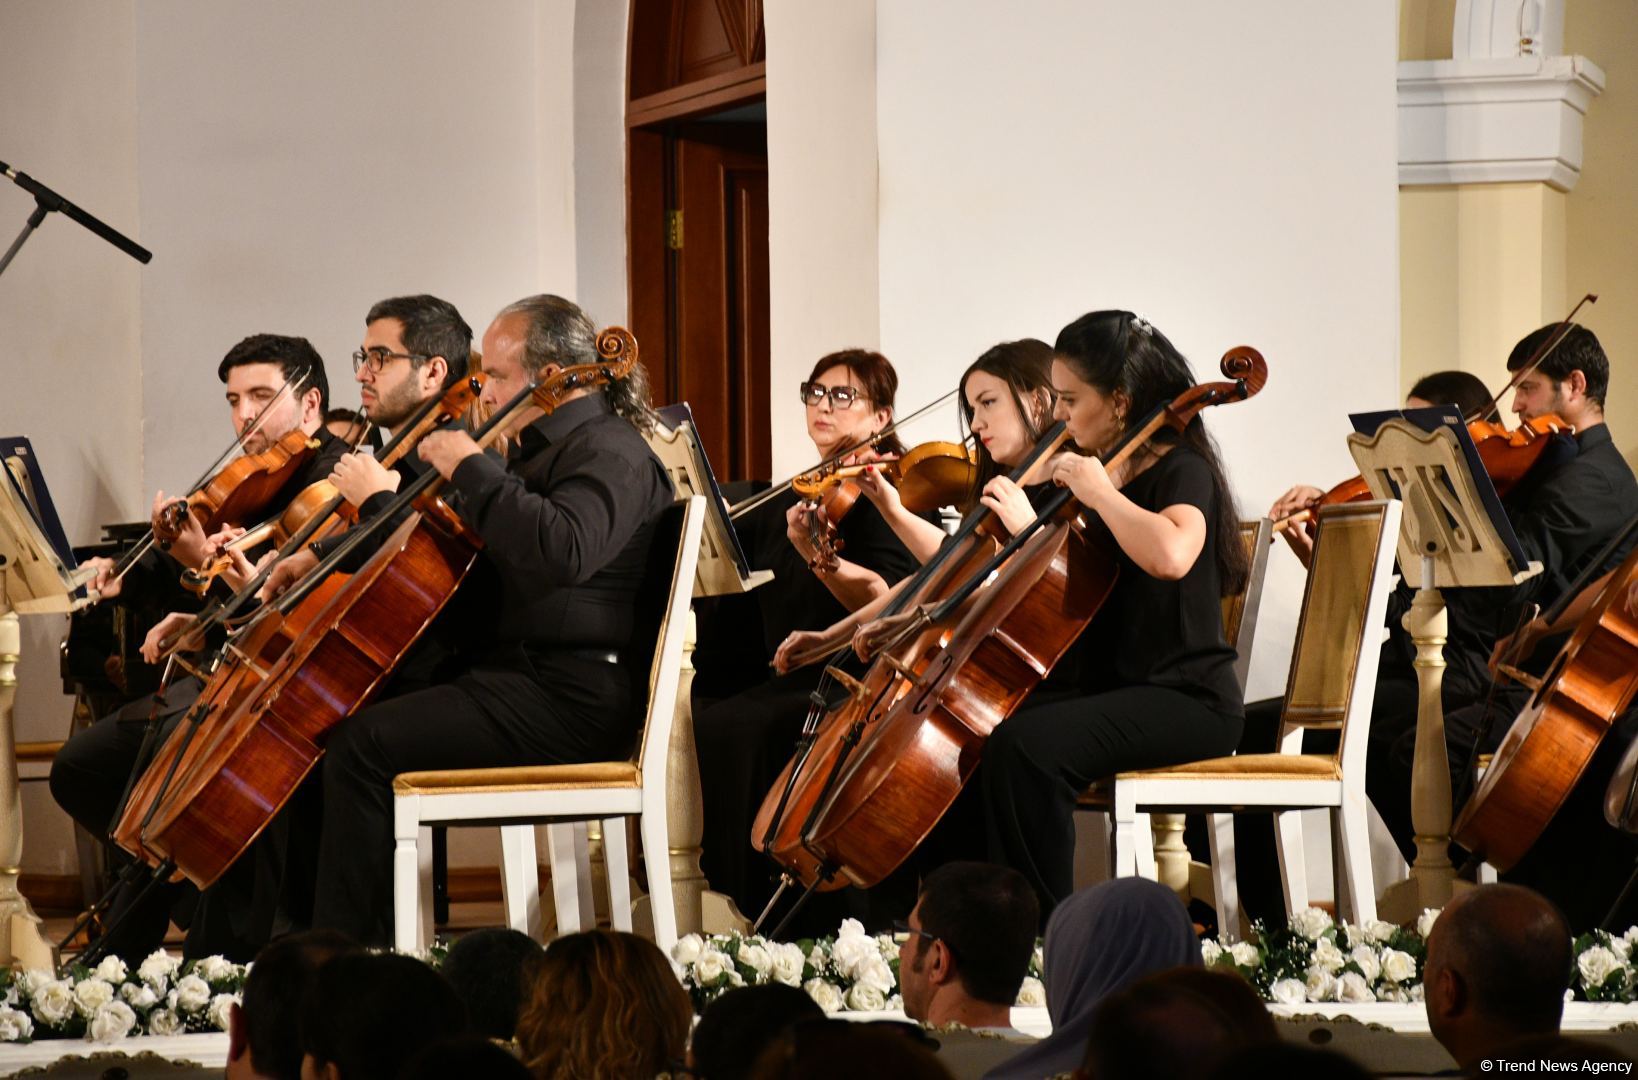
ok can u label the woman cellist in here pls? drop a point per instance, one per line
(1156, 682)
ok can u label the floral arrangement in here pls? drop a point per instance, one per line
(1313, 959)
(164, 996)
(850, 972)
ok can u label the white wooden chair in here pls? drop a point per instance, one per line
(1332, 684)
(564, 797)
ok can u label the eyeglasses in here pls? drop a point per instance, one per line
(841, 397)
(376, 359)
(902, 927)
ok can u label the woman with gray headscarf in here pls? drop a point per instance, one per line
(1098, 942)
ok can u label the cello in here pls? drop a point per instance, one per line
(970, 638)
(256, 753)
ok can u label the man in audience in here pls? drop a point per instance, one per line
(740, 1024)
(1174, 1025)
(262, 1028)
(970, 939)
(489, 970)
(367, 1014)
(1497, 967)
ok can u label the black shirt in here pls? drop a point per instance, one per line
(1563, 520)
(796, 599)
(567, 523)
(1152, 632)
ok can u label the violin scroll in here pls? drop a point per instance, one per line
(1246, 366)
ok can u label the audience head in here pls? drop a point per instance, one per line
(466, 1056)
(740, 1024)
(971, 936)
(1284, 1060)
(263, 1029)
(1174, 1024)
(822, 1049)
(348, 425)
(366, 1014)
(1571, 381)
(488, 970)
(603, 1003)
(1462, 389)
(1497, 966)
(1099, 941)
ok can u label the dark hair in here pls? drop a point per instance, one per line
(369, 1013)
(356, 422)
(1512, 949)
(737, 1026)
(1114, 350)
(294, 356)
(877, 379)
(465, 1055)
(987, 916)
(1579, 351)
(823, 1048)
(1285, 1059)
(273, 991)
(559, 332)
(432, 327)
(488, 970)
(1462, 389)
(1174, 1022)
(1026, 367)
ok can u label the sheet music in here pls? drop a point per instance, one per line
(16, 451)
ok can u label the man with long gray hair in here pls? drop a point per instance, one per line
(554, 674)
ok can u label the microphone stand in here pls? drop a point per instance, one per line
(45, 201)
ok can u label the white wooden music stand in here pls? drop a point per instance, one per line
(33, 580)
(1447, 539)
(721, 573)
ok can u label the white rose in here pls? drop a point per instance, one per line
(214, 968)
(165, 1022)
(1311, 923)
(1416, 992)
(688, 949)
(91, 995)
(1424, 922)
(1210, 952)
(1353, 989)
(1631, 935)
(1031, 994)
(1037, 960)
(788, 963)
(1289, 991)
(824, 994)
(1596, 965)
(1370, 965)
(887, 946)
(1245, 954)
(139, 995)
(113, 1020)
(1395, 994)
(1321, 985)
(1622, 948)
(710, 967)
(15, 1026)
(192, 993)
(1397, 966)
(32, 980)
(1327, 957)
(221, 1010)
(735, 978)
(895, 1004)
(1379, 930)
(876, 974)
(818, 957)
(112, 969)
(756, 958)
(158, 969)
(850, 928)
(849, 952)
(862, 997)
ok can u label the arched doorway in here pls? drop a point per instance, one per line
(697, 165)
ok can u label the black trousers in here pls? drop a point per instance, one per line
(516, 708)
(1040, 759)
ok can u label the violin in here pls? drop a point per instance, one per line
(927, 476)
(311, 659)
(977, 630)
(241, 490)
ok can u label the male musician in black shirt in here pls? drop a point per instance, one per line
(89, 773)
(567, 521)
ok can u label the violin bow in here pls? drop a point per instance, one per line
(1545, 349)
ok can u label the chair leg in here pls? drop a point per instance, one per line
(583, 879)
(1223, 882)
(1124, 839)
(427, 870)
(1143, 847)
(406, 892)
(618, 867)
(565, 861)
(1353, 827)
(656, 850)
(520, 881)
(1293, 865)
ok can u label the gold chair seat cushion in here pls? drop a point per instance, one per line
(591, 774)
(1238, 767)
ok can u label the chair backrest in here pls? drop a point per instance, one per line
(1334, 661)
(1240, 610)
(666, 668)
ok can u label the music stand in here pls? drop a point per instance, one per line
(723, 571)
(1454, 534)
(37, 576)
